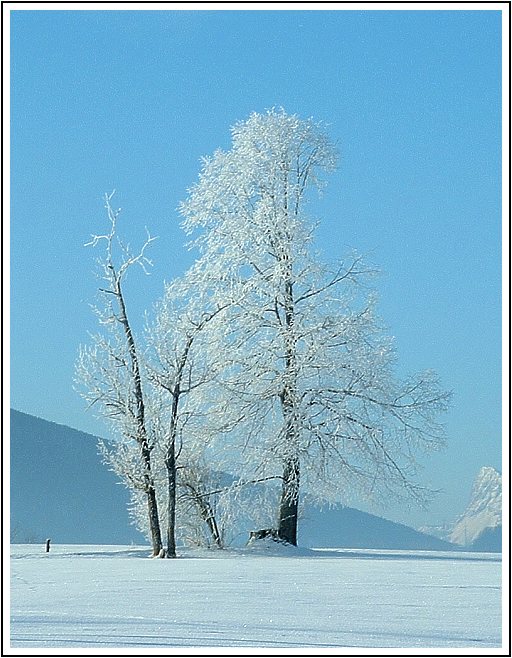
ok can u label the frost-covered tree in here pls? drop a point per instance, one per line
(186, 340)
(109, 374)
(182, 366)
(308, 371)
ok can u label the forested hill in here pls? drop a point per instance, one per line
(61, 490)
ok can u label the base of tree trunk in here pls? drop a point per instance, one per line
(266, 533)
(160, 554)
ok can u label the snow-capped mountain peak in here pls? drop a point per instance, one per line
(483, 510)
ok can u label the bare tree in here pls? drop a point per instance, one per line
(195, 475)
(181, 368)
(109, 377)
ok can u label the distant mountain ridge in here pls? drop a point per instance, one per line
(351, 528)
(61, 490)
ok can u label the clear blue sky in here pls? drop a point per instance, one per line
(132, 99)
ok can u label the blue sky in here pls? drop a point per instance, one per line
(132, 99)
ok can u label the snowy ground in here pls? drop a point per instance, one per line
(106, 597)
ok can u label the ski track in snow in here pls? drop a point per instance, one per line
(100, 596)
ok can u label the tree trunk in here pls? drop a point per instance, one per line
(154, 524)
(170, 464)
(142, 438)
(289, 505)
(209, 517)
(206, 512)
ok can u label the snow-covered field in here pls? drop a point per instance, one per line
(106, 597)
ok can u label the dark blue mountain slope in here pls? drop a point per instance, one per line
(59, 488)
